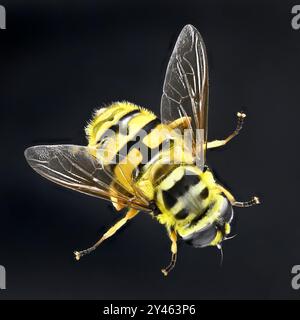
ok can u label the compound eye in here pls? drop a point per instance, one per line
(203, 238)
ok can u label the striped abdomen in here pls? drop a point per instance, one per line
(130, 139)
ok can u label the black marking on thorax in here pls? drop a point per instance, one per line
(182, 186)
(204, 193)
(182, 214)
(200, 216)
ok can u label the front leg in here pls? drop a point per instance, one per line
(173, 238)
(130, 214)
(255, 200)
(218, 143)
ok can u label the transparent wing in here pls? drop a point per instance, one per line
(75, 168)
(185, 90)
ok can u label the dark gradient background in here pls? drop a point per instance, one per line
(60, 60)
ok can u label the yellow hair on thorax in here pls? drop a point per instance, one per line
(105, 117)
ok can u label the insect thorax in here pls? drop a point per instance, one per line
(190, 203)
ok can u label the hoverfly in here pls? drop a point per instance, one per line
(166, 174)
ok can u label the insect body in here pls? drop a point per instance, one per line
(143, 163)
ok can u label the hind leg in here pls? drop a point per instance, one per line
(255, 200)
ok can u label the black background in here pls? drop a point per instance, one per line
(60, 60)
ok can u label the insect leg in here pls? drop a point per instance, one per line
(181, 123)
(173, 238)
(218, 143)
(130, 214)
(255, 200)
